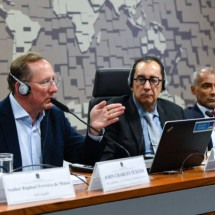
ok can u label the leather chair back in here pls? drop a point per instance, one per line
(109, 83)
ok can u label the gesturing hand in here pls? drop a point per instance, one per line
(103, 115)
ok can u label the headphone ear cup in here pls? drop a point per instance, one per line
(24, 89)
(130, 78)
(165, 82)
(164, 85)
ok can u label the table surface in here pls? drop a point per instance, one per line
(159, 183)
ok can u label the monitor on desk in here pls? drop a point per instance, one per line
(182, 145)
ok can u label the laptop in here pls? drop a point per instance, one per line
(182, 145)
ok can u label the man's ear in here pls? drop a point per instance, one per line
(16, 86)
(193, 90)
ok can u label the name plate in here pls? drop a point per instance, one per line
(2, 193)
(119, 173)
(210, 163)
(23, 187)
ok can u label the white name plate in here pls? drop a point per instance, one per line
(210, 163)
(2, 193)
(119, 173)
(23, 187)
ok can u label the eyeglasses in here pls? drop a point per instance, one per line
(154, 81)
(49, 82)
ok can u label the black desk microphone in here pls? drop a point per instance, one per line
(66, 109)
(210, 114)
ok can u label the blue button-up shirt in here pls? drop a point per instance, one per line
(29, 136)
(142, 112)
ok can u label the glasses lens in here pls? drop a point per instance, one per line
(51, 82)
(141, 80)
(154, 81)
(58, 80)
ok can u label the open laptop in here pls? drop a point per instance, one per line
(182, 145)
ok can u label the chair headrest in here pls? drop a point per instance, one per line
(110, 82)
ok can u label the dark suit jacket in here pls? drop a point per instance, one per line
(195, 112)
(59, 140)
(128, 131)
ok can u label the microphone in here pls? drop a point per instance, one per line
(66, 109)
(208, 113)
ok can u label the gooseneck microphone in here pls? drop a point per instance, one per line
(208, 113)
(67, 110)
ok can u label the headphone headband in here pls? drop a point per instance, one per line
(145, 59)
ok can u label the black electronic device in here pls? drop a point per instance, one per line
(182, 145)
(81, 167)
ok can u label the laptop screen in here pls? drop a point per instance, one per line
(182, 145)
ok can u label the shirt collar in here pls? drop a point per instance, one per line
(19, 112)
(142, 111)
(203, 109)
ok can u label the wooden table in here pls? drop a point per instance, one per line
(192, 192)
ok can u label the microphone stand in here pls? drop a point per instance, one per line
(66, 109)
(32, 165)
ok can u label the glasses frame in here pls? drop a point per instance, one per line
(48, 83)
(154, 81)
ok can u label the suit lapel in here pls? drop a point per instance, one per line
(45, 137)
(162, 114)
(197, 112)
(9, 131)
(135, 125)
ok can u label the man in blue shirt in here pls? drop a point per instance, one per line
(37, 133)
(146, 80)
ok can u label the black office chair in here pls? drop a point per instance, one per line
(109, 83)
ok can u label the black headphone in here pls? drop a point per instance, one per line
(24, 89)
(144, 59)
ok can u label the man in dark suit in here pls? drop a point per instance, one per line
(203, 87)
(37, 133)
(146, 80)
